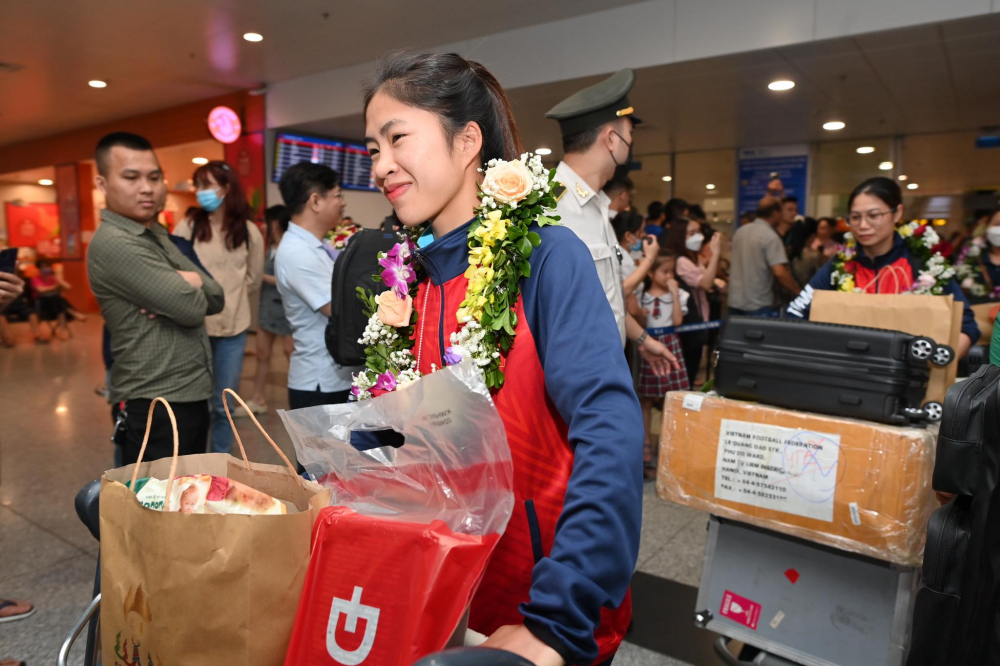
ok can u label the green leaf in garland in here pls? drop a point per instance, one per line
(524, 247)
(535, 239)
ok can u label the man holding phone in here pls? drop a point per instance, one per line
(154, 301)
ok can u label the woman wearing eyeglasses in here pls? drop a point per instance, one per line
(878, 259)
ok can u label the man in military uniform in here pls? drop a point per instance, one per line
(596, 125)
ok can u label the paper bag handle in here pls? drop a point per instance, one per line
(246, 461)
(145, 439)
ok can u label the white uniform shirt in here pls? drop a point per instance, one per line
(585, 212)
(304, 270)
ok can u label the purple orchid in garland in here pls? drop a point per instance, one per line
(386, 382)
(398, 274)
(452, 356)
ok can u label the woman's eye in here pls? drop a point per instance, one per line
(372, 152)
(396, 137)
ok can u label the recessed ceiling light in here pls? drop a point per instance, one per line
(200, 160)
(667, 179)
(902, 176)
(885, 166)
(45, 181)
(61, 409)
(864, 150)
(97, 83)
(710, 186)
(912, 186)
(253, 37)
(543, 151)
(781, 85)
(834, 125)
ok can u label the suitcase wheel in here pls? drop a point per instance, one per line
(943, 355)
(934, 411)
(922, 349)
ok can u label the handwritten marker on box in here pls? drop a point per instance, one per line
(777, 619)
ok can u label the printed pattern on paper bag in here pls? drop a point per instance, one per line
(740, 610)
(783, 469)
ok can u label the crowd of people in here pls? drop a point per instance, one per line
(177, 310)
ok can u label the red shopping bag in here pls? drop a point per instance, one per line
(397, 557)
(383, 591)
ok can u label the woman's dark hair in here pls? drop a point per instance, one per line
(696, 212)
(883, 188)
(676, 235)
(459, 91)
(276, 216)
(626, 221)
(676, 209)
(236, 209)
(830, 221)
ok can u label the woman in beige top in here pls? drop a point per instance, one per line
(232, 249)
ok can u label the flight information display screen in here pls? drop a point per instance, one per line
(349, 160)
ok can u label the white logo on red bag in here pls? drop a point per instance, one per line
(352, 610)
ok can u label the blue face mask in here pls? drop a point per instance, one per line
(636, 246)
(209, 199)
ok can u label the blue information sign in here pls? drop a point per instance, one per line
(758, 166)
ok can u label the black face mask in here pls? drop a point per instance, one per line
(621, 170)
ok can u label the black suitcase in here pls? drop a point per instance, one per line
(955, 615)
(864, 373)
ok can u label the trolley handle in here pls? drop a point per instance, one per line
(77, 628)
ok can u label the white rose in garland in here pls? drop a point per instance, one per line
(507, 182)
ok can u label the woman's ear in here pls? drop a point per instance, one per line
(898, 214)
(470, 143)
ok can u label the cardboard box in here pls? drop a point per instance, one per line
(854, 485)
(937, 317)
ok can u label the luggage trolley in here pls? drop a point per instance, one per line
(800, 602)
(88, 509)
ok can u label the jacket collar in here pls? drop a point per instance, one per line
(898, 250)
(580, 190)
(448, 256)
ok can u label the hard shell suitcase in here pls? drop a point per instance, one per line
(850, 371)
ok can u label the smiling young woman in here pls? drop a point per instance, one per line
(882, 257)
(433, 121)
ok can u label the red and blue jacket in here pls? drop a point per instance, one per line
(891, 273)
(575, 430)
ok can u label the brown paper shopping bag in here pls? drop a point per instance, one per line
(937, 317)
(198, 589)
(986, 315)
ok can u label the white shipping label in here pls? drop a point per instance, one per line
(693, 401)
(783, 469)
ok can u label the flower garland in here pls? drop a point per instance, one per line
(970, 270)
(338, 237)
(922, 241)
(514, 195)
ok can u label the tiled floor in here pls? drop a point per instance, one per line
(54, 437)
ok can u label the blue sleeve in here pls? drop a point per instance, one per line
(803, 302)
(587, 378)
(969, 325)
